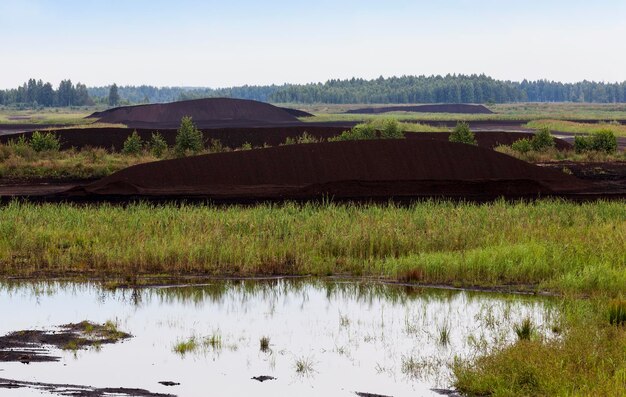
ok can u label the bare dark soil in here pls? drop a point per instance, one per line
(77, 390)
(342, 170)
(32, 345)
(610, 176)
(437, 108)
(205, 113)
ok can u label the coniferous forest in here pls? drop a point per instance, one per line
(405, 89)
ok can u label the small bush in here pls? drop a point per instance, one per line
(604, 141)
(391, 129)
(582, 144)
(522, 146)
(245, 146)
(600, 141)
(462, 134)
(542, 140)
(21, 148)
(133, 144)
(215, 146)
(189, 138)
(158, 146)
(358, 132)
(304, 138)
(45, 142)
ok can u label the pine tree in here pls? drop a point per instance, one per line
(114, 96)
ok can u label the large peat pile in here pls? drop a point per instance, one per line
(205, 113)
(378, 169)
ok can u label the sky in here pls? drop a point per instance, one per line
(236, 42)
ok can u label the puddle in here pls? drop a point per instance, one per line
(264, 338)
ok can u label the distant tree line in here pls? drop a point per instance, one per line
(36, 93)
(449, 89)
(405, 89)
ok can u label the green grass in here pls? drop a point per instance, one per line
(514, 111)
(579, 128)
(545, 245)
(25, 163)
(61, 116)
(589, 360)
(552, 154)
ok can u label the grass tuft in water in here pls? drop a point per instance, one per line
(186, 346)
(304, 365)
(524, 330)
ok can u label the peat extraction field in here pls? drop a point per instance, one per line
(219, 244)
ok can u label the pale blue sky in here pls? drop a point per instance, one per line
(220, 43)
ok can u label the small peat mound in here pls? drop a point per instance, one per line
(463, 108)
(204, 112)
(297, 112)
(378, 169)
(32, 345)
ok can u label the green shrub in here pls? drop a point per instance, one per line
(462, 134)
(391, 129)
(45, 142)
(582, 144)
(599, 141)
(522, 146)
(358, 132)
(245, 146)
(133, 144)
(604, 141)
(215, 146)
(158, 146)
(189, 138)
(542, 140)
(21, 147)
(304, 138)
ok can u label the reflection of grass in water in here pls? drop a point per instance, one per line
(443, 332)
(344, 320)
(264, 344)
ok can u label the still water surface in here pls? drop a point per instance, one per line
(350, 336)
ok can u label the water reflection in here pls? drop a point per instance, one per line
(323, 337)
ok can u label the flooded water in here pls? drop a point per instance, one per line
(326, 338)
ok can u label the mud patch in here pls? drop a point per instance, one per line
(33, 345)
(77, 390)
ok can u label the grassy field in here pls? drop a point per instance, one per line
(517, 111)
(587, 358)
(67, 164)
(547, 245)
(61, 116)
(579, 128)
(563, 155)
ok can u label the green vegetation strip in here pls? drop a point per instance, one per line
(578, 128)
(546, 245)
